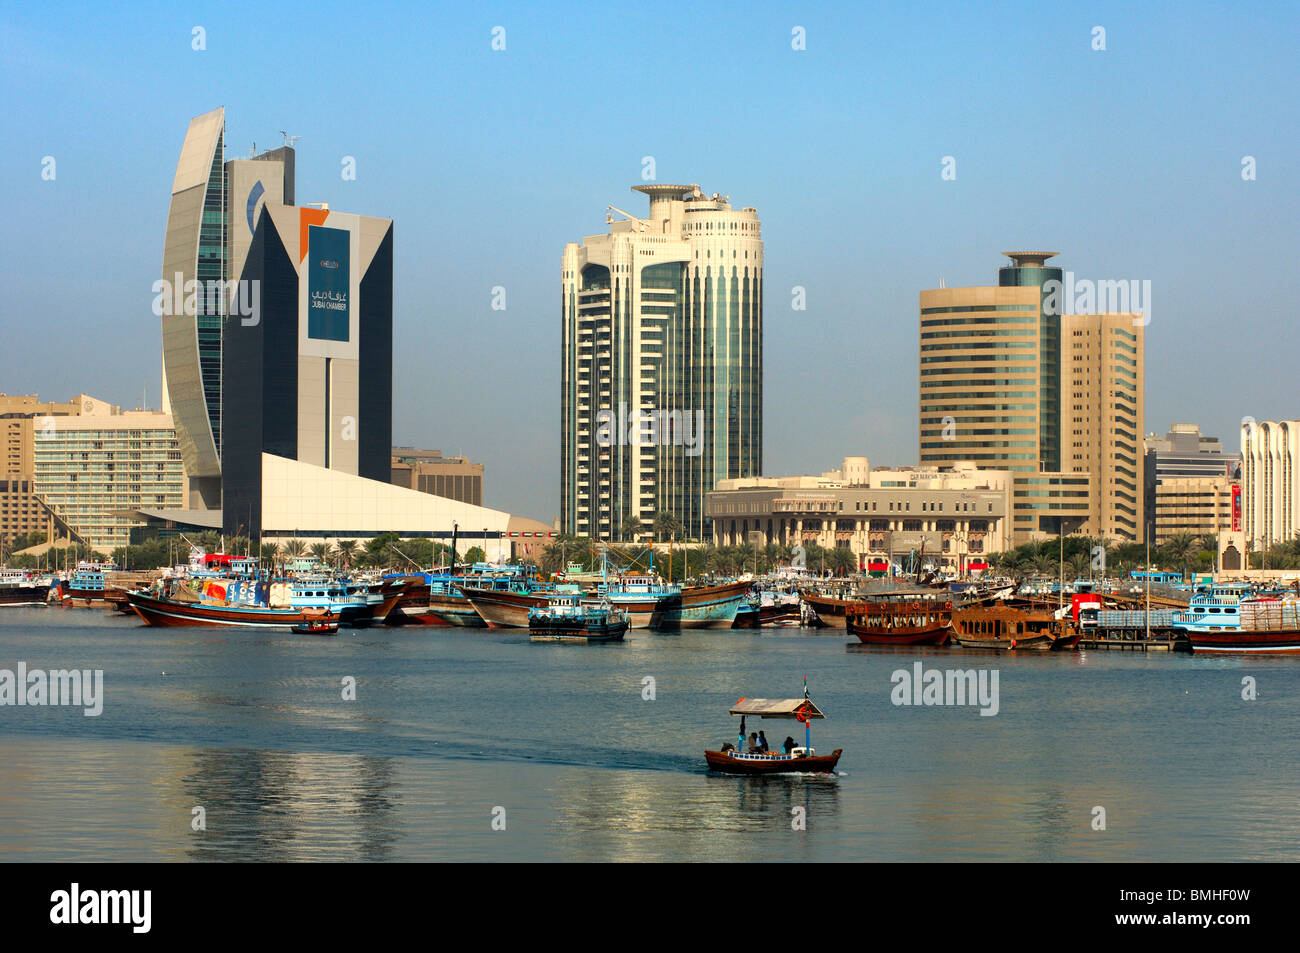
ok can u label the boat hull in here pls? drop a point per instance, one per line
(729, 762)
(166, 613)
(577, 632)
(504, 609)
(640, 609)
(1042, 642)
(704, 607)
(830, 612)
(931, 635)
(1270, 642)
(24, 595)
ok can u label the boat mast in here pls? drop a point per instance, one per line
(807, 724)
(1148, 586)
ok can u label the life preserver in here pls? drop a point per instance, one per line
(803, 715)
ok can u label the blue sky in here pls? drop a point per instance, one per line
(1127, 161)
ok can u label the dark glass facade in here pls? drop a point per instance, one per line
(211, 273)
(260, 377)
(260, 392)
(375, 436)
(1049, 356)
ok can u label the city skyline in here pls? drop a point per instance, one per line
(1132, 167)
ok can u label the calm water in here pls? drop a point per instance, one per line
(448, 725)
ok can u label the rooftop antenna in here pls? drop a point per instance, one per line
(288, 139)
(252, 150)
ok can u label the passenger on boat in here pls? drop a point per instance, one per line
(789, 744)
(753, 743)
(762, 743)
(727, 746)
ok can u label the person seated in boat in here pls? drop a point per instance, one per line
(753, 743)
(789, 744)
(727, 746)
(763, 747)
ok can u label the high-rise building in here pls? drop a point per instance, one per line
(1007, 381)
(662, 357)
(1102, 371)
(214, 207)
(1270, 482)
(990, 372)
(310, 377)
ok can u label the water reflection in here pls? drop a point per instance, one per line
(287, 806)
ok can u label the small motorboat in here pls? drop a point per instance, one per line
(796, 760)
(317, 622)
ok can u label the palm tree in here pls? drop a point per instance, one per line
(294, 548)
(320, 551)
(1177, 548)
(666, 524)
(347, 550)
(632, 527)
(842, 561)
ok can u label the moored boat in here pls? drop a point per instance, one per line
(701, 607)
(1001, 626)
(565, 618)
(831, 613)
(900, 620)
(1262, 625)
(640, 596)
(159, 611)
(506, 608)
(19, 588)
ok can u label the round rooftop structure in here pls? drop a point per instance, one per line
(1030, 259)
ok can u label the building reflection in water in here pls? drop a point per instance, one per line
(289, 806)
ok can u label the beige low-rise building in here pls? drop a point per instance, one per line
(430, 472)
(1198, 506)
(959, 515)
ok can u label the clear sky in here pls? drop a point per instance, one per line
(1127, 161)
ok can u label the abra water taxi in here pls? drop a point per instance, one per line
(742, 759)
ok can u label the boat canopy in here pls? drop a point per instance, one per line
(776, 707)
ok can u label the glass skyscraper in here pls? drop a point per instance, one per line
(662, 355)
